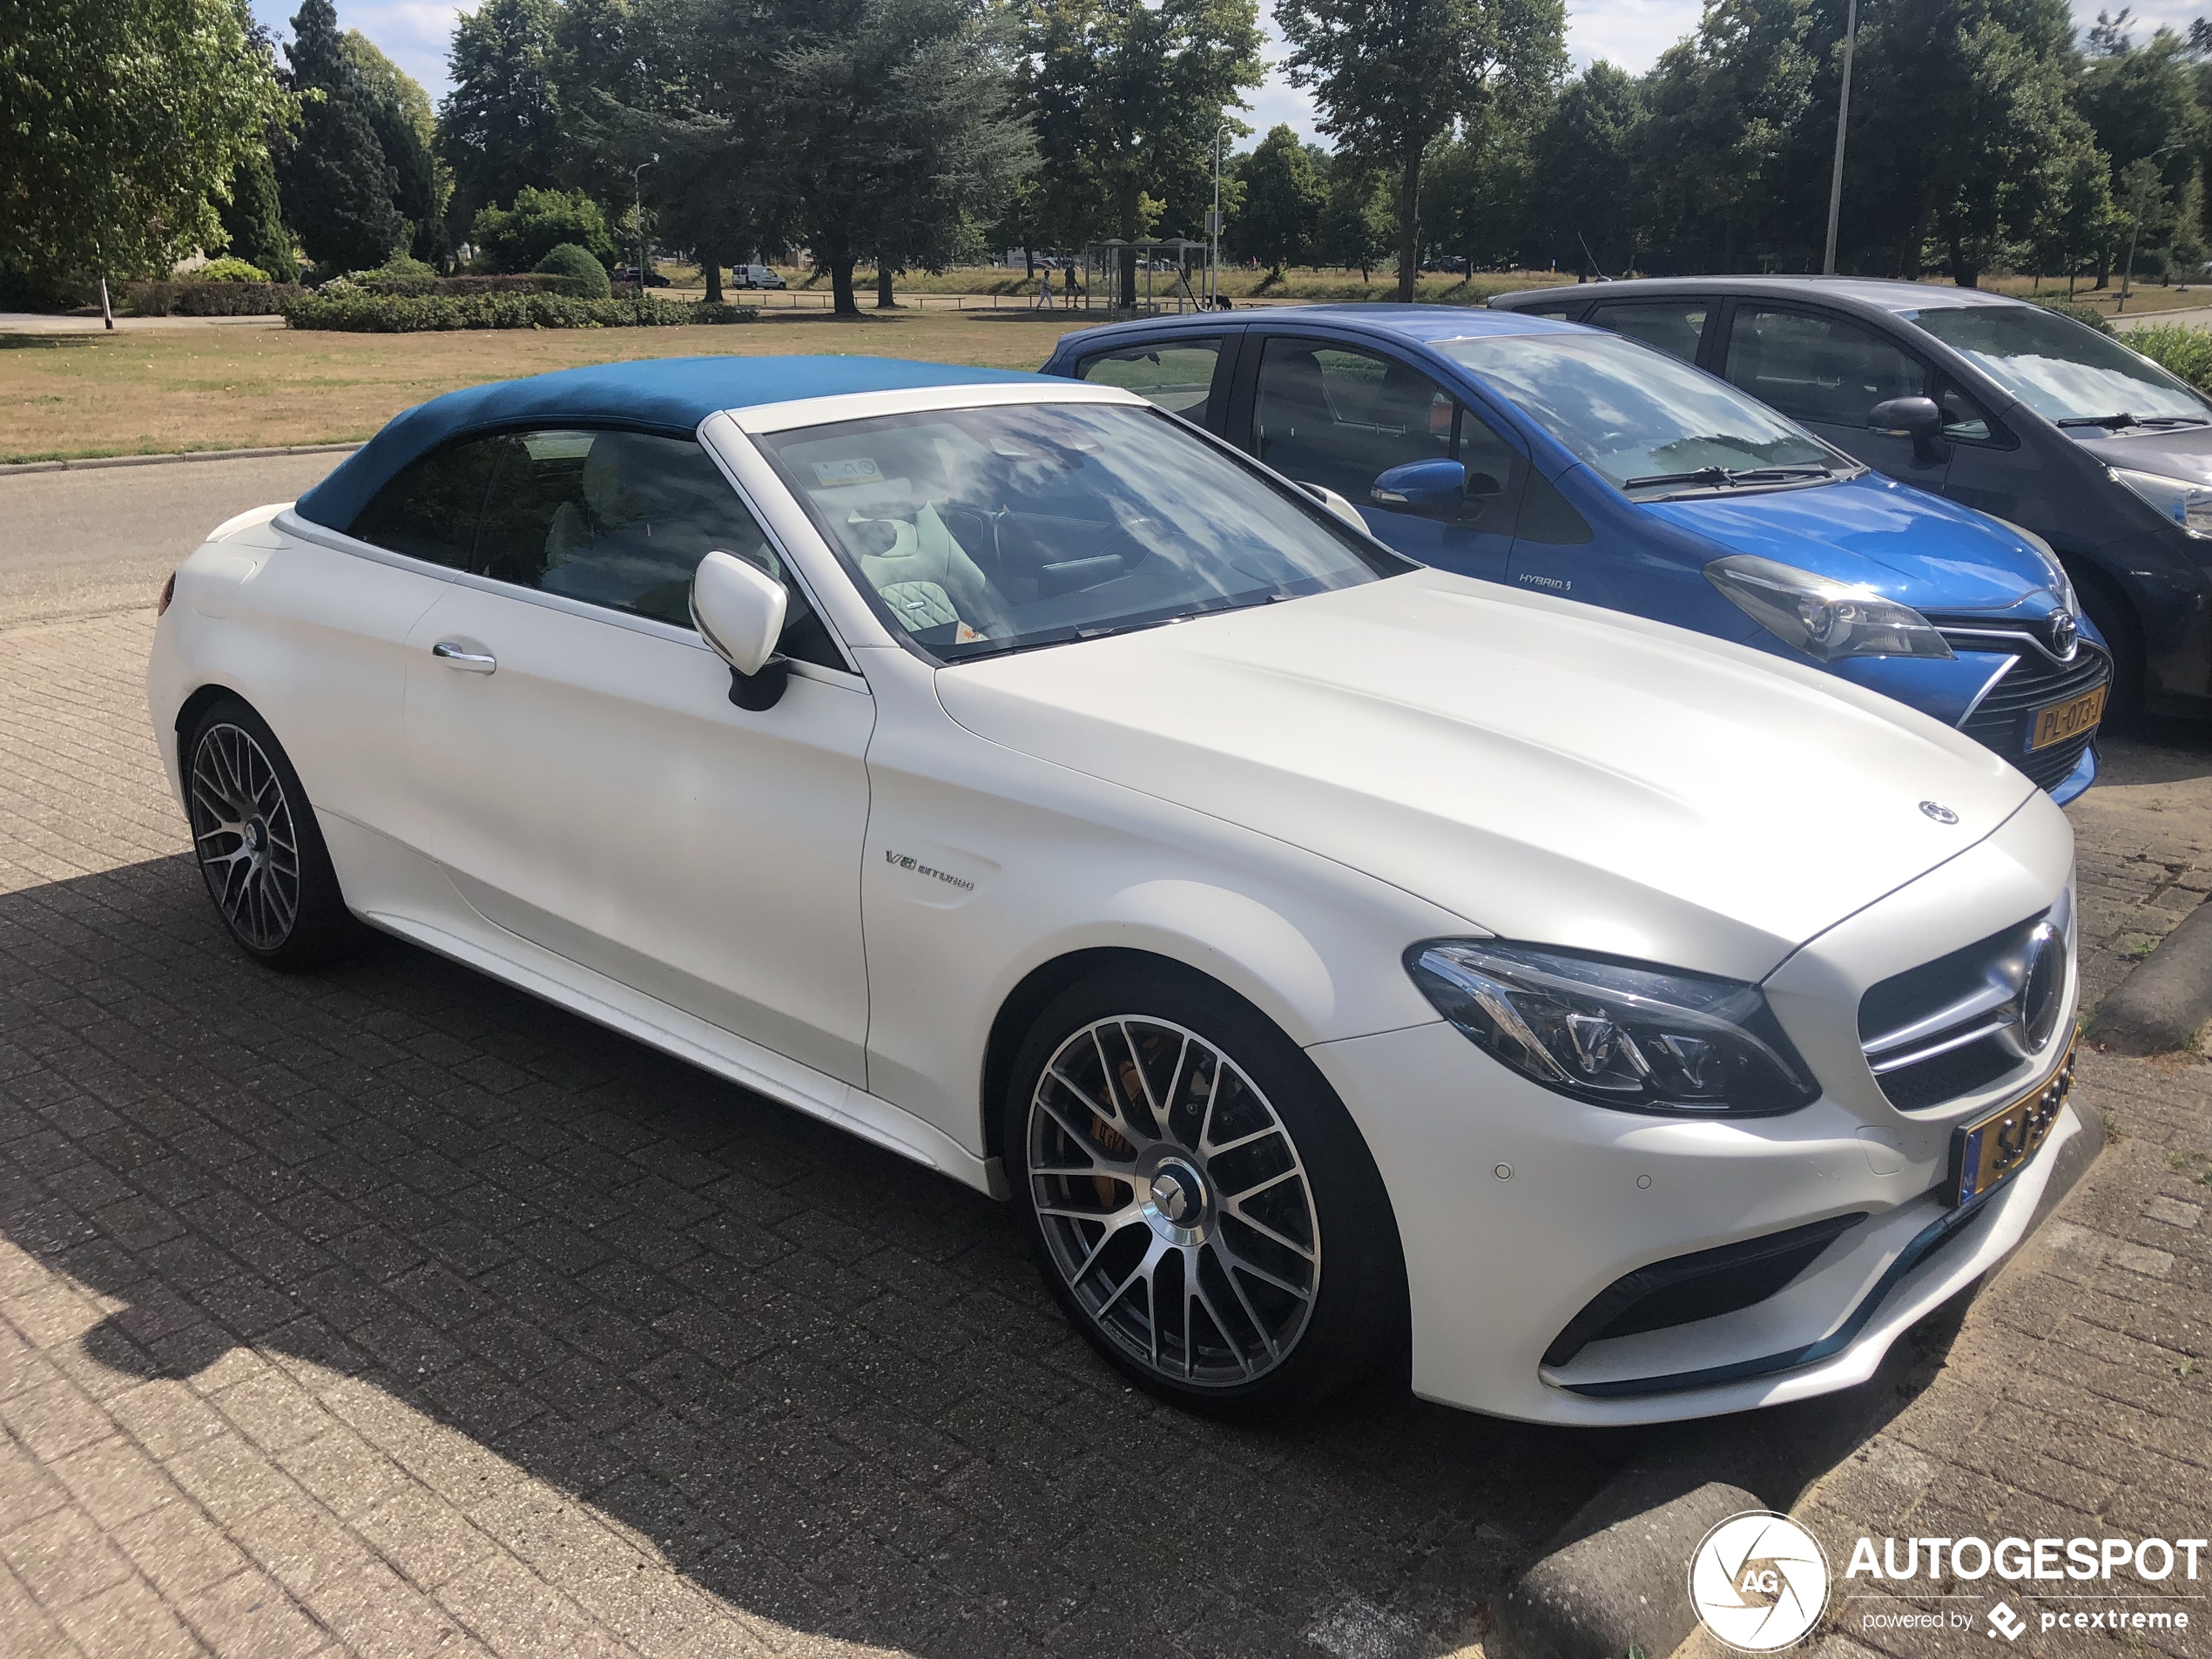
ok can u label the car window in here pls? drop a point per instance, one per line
(2059, 367)
(1963, 418)
(1816, 368)
(622, 519)
(429, 510)
(1674, 326)
(1175, 374)
(982, 531)
(1335, 415)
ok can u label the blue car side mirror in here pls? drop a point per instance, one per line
(1430, 489)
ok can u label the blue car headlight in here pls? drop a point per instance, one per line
(1615, 1034)
(1820, 616)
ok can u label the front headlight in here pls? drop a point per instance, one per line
(2188, 505)
(1641, 1039)
(1820, 616)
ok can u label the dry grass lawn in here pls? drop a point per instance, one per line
(236, 387)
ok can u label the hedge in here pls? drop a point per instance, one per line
(2088, 314)
(357, 311)
(2178, 350)
(191, 299)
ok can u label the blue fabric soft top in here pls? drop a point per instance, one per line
(676, 393)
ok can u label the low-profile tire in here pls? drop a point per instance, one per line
(2115, 620)
(1198, 1199)
(260, 849)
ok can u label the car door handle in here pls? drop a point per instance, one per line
(456, 655)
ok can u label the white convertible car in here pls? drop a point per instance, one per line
(1330, 958)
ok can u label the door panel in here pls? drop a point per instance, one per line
(1827, 372)
(597, 794)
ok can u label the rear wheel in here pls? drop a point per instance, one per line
(259, 848)
(1198, 1200)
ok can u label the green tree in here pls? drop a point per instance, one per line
(336, 186)
(499, 129)
(1585, 207)
(253, 220)
(125, 123)
(1395, 77)
(517, 238)
(1282, 202)
(399, 114)
(1356, 226)
(1127, 100)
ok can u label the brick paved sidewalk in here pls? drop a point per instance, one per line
(2143, 846)
(388, 1310)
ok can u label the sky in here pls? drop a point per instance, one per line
(413, 34)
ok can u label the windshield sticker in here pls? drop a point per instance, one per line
(836, 475)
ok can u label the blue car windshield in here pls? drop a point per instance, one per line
(1646, 422)
(982, 530)
(2062, 370)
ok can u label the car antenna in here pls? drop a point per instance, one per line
(1592, 258)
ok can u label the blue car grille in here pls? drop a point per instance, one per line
(2005, 719)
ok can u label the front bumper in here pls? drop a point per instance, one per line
(1517, 1206)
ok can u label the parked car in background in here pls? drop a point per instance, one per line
(628, 274)
(758, 276)
(1003, 771)
(1569, 460)
(2003, 406)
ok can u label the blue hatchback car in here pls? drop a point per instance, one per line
(1588, 464)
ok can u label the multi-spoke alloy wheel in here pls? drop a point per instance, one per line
(1173, 1202)
(243, 829)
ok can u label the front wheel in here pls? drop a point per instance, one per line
(1199, 1202)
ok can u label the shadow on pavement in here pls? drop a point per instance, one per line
(825, 1381)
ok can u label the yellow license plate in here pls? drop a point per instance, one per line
(2067, 719)
(1989, 1151)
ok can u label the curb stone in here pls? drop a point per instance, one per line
(91, 462)
(1614, 1580)
(2166, 1001)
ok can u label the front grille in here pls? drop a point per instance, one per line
(1700, 1287)
(2004, 720)
(1965, 1019)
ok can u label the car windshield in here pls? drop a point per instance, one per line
(1647, 422)
(978, 531)
(2062, 370)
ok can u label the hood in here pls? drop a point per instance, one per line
(1549, 771)
(1902, 542)
(2177, 452)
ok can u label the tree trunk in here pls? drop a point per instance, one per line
(1029, 262)
(1963, 273)
(1125, 275)
(841, 300)
(713, 262)
(1409, 228)
(884, 300)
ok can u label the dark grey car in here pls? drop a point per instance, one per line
(2000, 405)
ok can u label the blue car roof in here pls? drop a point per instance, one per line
(674, 393)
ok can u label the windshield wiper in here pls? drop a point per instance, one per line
(1722, 477)
(2117, 422)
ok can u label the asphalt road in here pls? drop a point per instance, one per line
(76, 543)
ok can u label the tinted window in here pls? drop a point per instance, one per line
(1674, 326)
(1962, 416)
(430, 508)
(989, 529)
(622, 519)
(1818, 368)
(1177, 376)
(1336, 417)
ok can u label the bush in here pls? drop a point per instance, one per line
(2080, 313)
(587, 275)
(2185, 352)
(229, 271)
(197, 299)
(516, 238)
(357, 311)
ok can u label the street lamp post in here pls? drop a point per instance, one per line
(1213, 224)
(2135, 229)
(1843, 124)
(637, 208)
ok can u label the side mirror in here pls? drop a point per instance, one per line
(1916, 418)
(1426, 489)
(739, 609)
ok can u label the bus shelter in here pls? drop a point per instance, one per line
(1146, 278)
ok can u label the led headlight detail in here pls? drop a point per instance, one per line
(1641, 1039)
(1820, 616)
(2188, 505)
